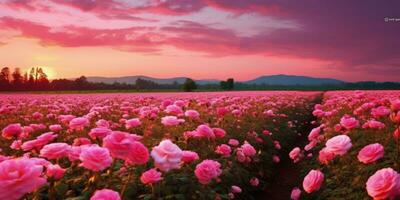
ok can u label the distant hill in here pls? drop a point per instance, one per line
(132, 80)
(267, 80)
(293, 80)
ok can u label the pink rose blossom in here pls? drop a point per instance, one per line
(233, 142)
(373, 124)
(38, 161)
(380, 111)
(313, 181)
(311, 145)
(180, 103)
(318, 113)
(79, 123)
(105, 194)
(241, 157)
(16, 145)
(370, 153)
(173, 109)
(95, 158)
(39, 142)
(236, 189)
(102, 123)
(55, 127)
(55, 150)
(295, 154)
(325, 156)
(337, 128)
(171, 121)
(207, 170)
(349, 122)
(339, 145)
(81, 141)
(193, 114)
(65, 119)
(204, 131)
(395, 105)
(314, 134)
(254, 181)
(167, 156)
(248, 149)
(138, 155)
(219, 132)
(267, 132)
(75, 152)
(237, 112)
(55, 171)
(296, 193)
(18, 177)
(132, 123)
(12, 130)
(150, 176)
(119, 143)
(189, 156)
(221, 111)
(37, 115)
(276, 159)
(99, 132)
(223, 150)
(384, 184)
(277, 145)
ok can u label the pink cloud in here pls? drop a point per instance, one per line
(140, 38)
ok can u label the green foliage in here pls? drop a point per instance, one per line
(189, 85)
(228, 84)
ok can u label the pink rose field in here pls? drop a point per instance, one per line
(354, 153)
(203, 145)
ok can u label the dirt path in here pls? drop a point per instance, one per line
(287, 173)
(287, 177)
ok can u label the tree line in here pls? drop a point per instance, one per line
(35, 79)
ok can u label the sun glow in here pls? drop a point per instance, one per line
(51, 74)
(49, 71)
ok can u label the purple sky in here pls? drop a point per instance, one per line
(348, 40)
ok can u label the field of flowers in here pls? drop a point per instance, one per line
(178, 146)
(354, 152)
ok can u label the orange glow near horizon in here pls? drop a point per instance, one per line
(59, 62)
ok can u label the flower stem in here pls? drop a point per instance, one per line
(123, 189)
(52, 192)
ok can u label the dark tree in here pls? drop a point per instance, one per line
(62, 84)
(82, 83)
(5, 78)
(26, 78)
(31, 78)
(189, 85)
(17, 79)
(42, 82)
(42, 76)
(141, 84)
(228, 84)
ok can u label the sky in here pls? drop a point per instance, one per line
(203, 39)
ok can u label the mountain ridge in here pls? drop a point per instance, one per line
(279, 79)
